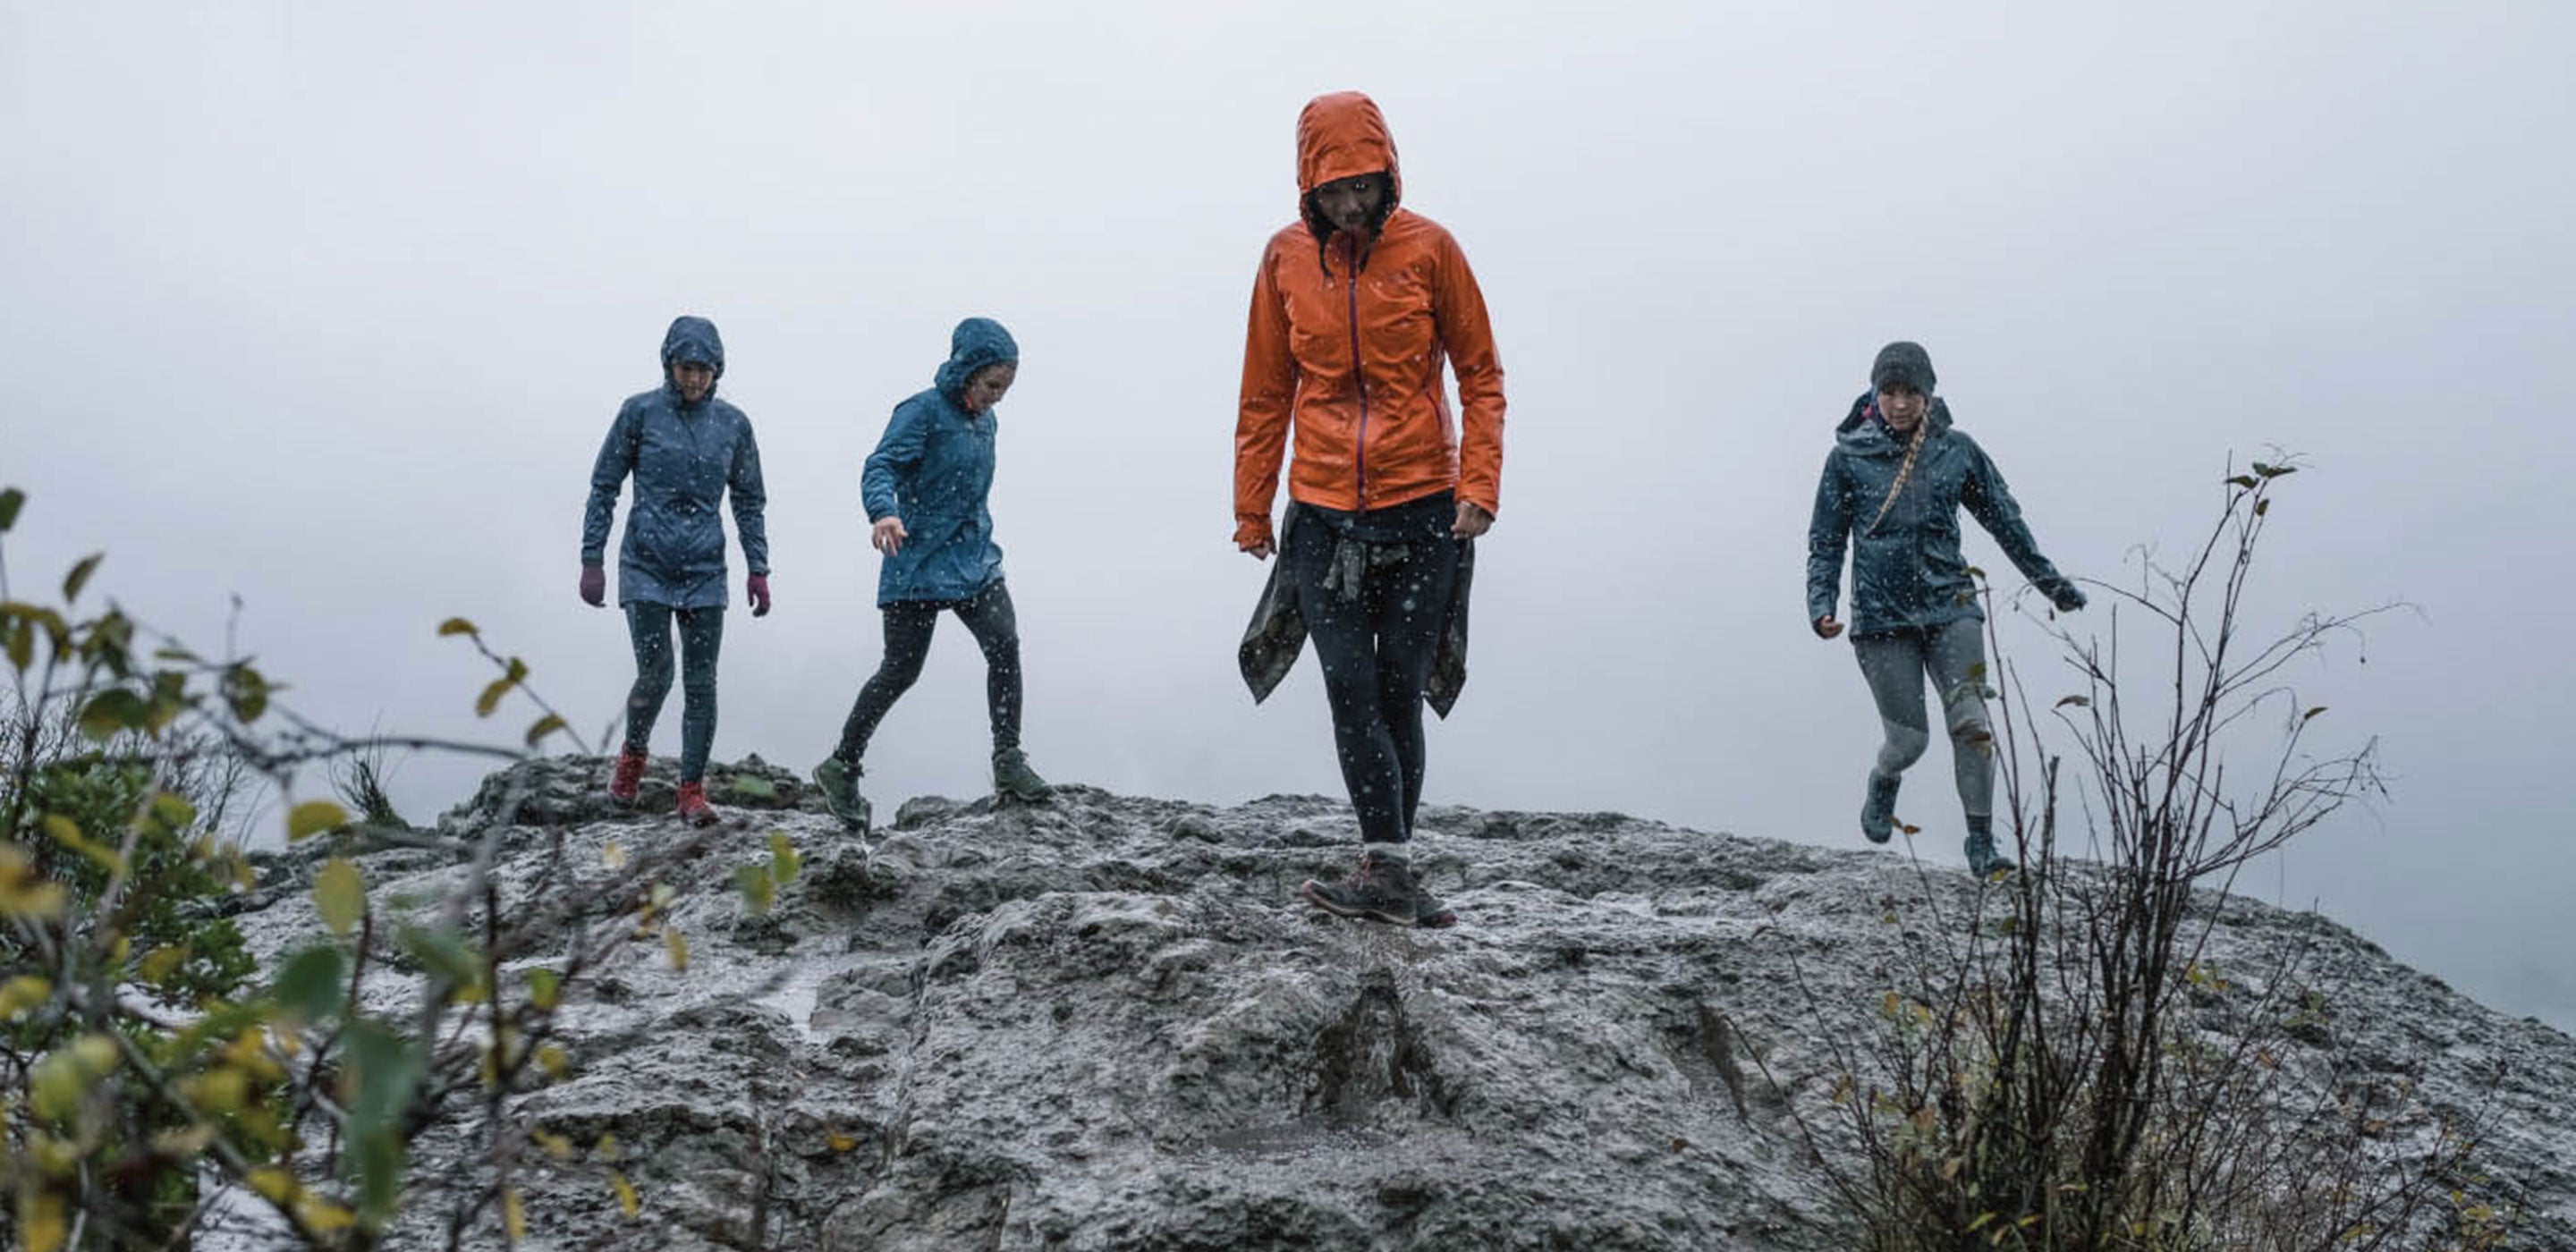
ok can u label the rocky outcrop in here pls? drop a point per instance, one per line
(1105, 1023)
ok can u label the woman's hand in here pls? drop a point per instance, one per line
(887, 535)
(1826, 627)
(594, 586)
(1472, 521)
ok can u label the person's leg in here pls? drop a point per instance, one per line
(701, 638)
(908, 628)
(1346, 648)
(648, 627)
(996, 627)
(1409, 612)
(1892, 665)
(1956, 659)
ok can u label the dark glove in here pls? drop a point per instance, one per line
(758, 588)
(2068, 597)
(594, 585)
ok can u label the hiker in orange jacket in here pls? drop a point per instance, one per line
(1354, 310)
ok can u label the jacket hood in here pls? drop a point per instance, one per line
(1342, 135)
(693, 339)
(1862, 431)
(976, 343)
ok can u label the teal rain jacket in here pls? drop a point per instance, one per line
(684, 458)
(934, 470)
(1907, 572)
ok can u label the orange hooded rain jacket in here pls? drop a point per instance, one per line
(1353, 367)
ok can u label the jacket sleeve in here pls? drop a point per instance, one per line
(1458, 307)
(750, 502)
(1991, 503)
(607, 474)
(1827, 530)
(1261, 418)
(907, 434)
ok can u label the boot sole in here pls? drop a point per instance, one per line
(1318, 899)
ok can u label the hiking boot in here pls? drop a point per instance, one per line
(1983, 860)
(1878, 811)
(694, 808)
(1382, 889)
(839, 781)
(1013, 777)
(629, 778)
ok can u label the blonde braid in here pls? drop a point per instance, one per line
(1921, 425)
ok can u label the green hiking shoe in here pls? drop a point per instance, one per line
(1382, 889)
(1878, 811)
(1013, 777)
(1983, 860)
(839, 782)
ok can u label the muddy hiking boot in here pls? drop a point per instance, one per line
(1878, 809)
(1012, 777)
(1382, 889)
(839, 783)
(629, 777)
(1983, 860)
(693, 806)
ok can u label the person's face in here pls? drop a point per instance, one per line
(1351, 204)
(1902, 407)
(986, 388)
(694, 379)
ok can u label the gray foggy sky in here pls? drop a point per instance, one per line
(330, 307)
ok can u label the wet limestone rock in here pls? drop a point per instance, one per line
(1105, 1022)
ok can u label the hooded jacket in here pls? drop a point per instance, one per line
(1907, 572)
(684, 458)
(934, 469)
(1345, 346)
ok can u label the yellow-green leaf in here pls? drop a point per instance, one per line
(677, 947)
(545, 988)
(557, 1065)
(40, 1213)
(783, 861)
(545, 726)
(491, 697)
(21, 643)
(612, 854)
(514, 1216)
(341, 895)
(11, 501)
(79, 577)
(22, 993)
(555, 1145)
(839, 1142)
(625, 1192)
(456, 626)
(312, 818)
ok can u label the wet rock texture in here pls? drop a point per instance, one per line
(1106, 1023)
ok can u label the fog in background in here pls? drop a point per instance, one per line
(329, 309)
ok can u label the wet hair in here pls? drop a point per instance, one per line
(1913, 448)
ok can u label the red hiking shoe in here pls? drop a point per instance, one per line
(694, 808)
(629, 777)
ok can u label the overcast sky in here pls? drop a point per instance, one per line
(329, 307)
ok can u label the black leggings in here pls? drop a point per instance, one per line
(908, 627)
(1376, 645)
(648, 627)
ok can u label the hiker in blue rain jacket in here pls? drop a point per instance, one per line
(686, 450)
(1893, 487)
(927, 488)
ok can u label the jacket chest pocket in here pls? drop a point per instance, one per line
(1396, 310)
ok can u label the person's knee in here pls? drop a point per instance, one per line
(1972, 734)
(652, 680)
(1905, 746)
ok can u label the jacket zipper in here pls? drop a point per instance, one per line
(1360, 376)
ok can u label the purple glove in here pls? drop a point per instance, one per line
(759, 589)
(594, 585)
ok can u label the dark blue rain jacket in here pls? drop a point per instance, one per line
(934, 470)
(684, 458)
(1907, 572)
